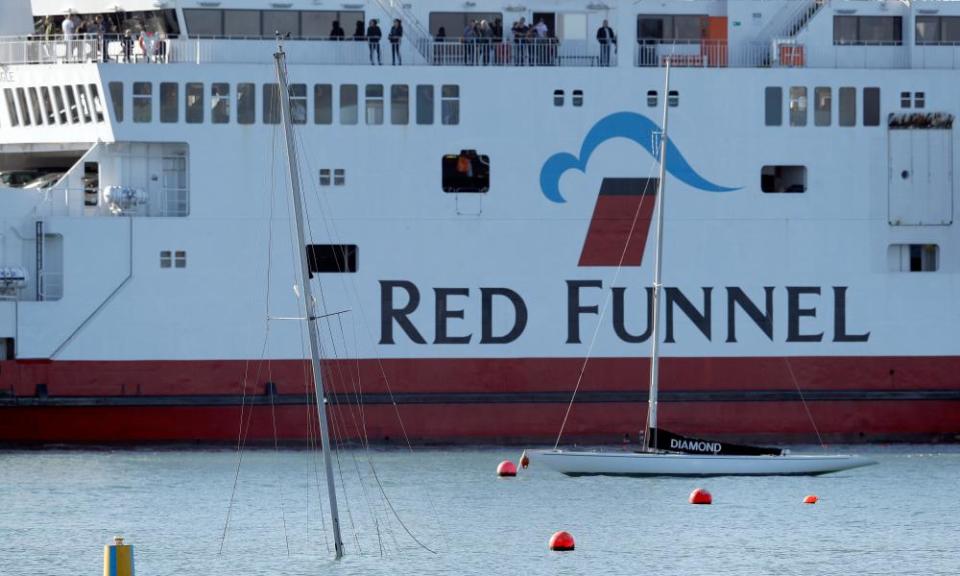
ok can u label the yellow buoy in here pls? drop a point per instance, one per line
(118, 558)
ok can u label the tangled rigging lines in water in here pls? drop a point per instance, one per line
(377, 507)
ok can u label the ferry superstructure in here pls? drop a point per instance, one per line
(479, 220)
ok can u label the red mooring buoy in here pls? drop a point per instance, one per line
(811, 499)
(524, 460)
(506, 468)
(701, 496)
(561, 541)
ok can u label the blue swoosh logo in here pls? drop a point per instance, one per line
(634, 127)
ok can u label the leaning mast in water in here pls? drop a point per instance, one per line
(309, 304)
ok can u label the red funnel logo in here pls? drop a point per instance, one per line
(615, 213)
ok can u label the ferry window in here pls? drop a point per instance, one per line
(425, 104)
(881, 29)
(783, 179)
(271, 103)
(97, 103)
(142, 101)
(919, 100)
(466, 172)
(240, 23)
(339, 176)
(220, 103)
(166, 258)
(169, 102)
(867, 30)
(558, 97)
(578, 98)
(652, 98)
(203, 22)
(331, 258)
(823, 102)
(348, 104)
(180, 259)
(24, 112)
(319, 23)
(904, 99)
(282, 21)
(246, 103)
(324, 176)
(844, 29)
(59, 103)
(116, 96)
(400, 104)
(670, 27)
(48, 106)
(450, 104)
(35, 106)
(871, 106)
(11, 107)
(84, 101)
(798, 106)
(193, 102)
(928, 30)
(848, 106)
(673, 99)
(914, 257)
(933, 30)
(374, 109)
(72, 105)
(323, 103)
(950, 29)
(298, 103)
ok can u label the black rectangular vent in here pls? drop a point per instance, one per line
(331, 258)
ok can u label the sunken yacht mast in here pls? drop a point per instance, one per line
(308, 300)
(478, 190)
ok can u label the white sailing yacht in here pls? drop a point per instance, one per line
(668, 454)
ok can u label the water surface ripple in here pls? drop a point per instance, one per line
(58, 508)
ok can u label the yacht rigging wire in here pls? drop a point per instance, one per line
(350, 287)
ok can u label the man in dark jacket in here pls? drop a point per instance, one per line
(396, 33)
(606, 38)
(373, 37)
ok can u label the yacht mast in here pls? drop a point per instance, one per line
(649, 443)
(281, 65)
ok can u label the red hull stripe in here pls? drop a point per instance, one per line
(491, 398)
(482, 400)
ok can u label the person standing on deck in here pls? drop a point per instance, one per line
(69, 28)
(605, 37)
(396, 34)
(373, 38)
(336, 32)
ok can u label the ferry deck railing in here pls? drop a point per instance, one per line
(437, 52)
(778, 53)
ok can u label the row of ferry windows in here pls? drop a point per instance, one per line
(822, 106)
(376, 103)
(52, 105)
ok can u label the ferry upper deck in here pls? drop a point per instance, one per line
(692, 33)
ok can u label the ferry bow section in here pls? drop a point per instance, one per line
(480, 181)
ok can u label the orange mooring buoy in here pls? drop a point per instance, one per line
(811, 499)
(561, 541)
(506, 468)
(701, 496)
(524, 460)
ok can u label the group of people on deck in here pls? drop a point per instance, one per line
(152, 46)
(482, 43)
(372, 35)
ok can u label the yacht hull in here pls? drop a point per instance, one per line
(642, 464)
